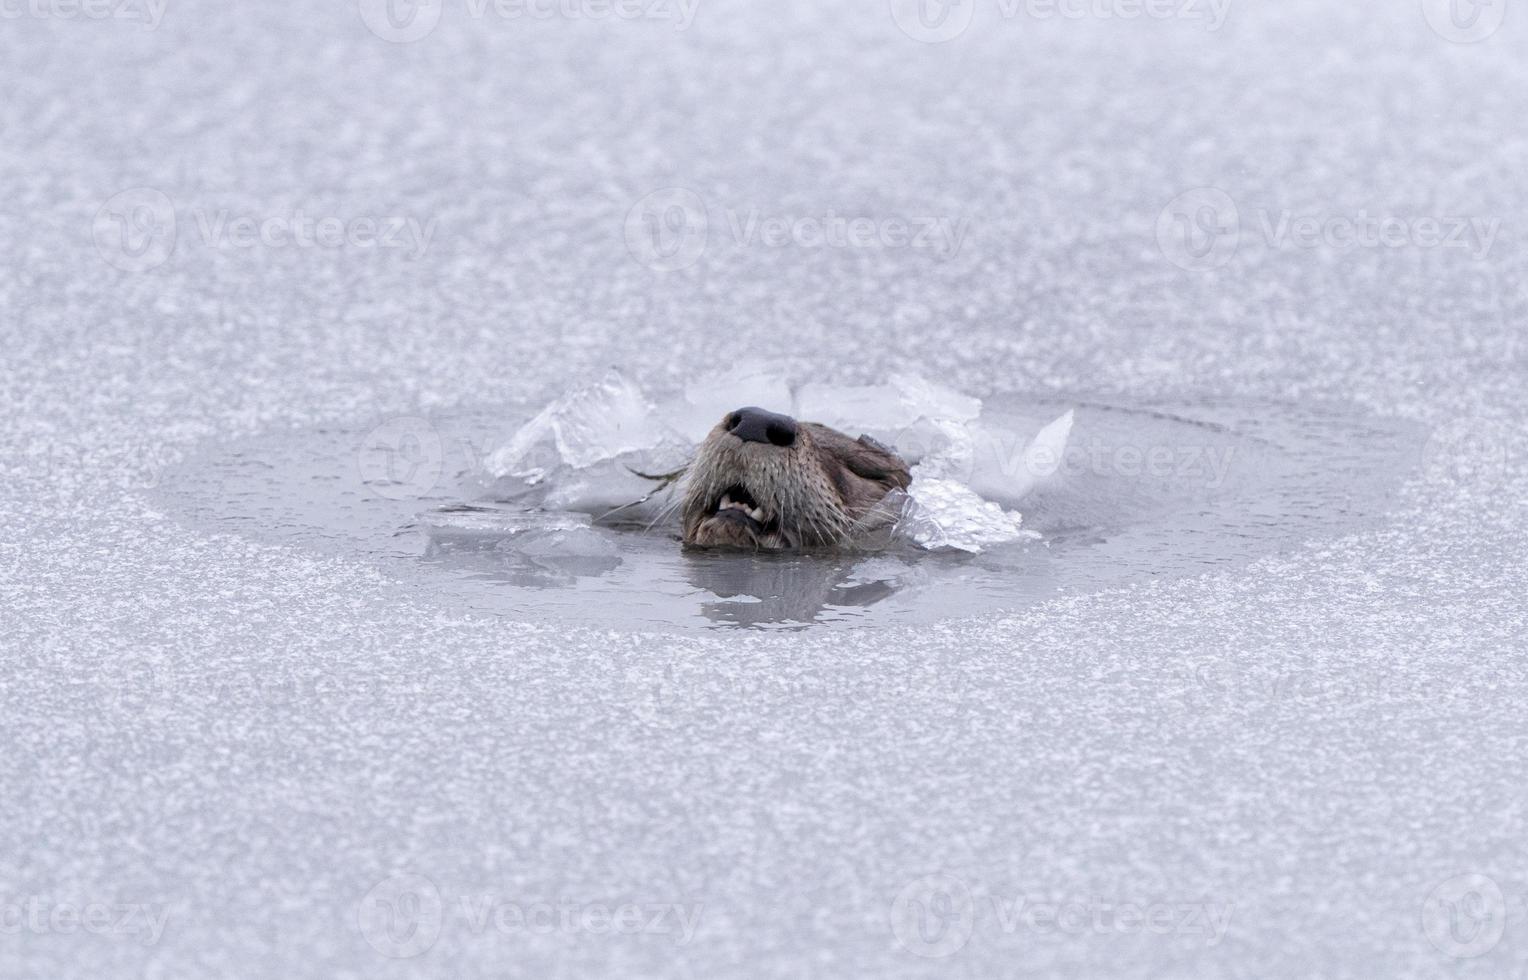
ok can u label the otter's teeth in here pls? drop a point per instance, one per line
(727, 503)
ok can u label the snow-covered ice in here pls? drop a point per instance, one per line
(261, 736)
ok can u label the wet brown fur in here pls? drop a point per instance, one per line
(817, 493)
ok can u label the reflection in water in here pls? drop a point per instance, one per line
(494, 543)
(499, 544)
(779, 590)
(488, 561)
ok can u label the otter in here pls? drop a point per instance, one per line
(766, 482)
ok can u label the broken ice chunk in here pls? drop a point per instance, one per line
(477, 520)
(999, 464)
(944, 515)
(932, 400)
(887, 408)
(527, 532)
(612, 484)
(870, 408)
(1003, 473)
(938, 448)
(564, 543)
(597, 422)
(913, 415)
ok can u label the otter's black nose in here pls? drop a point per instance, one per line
(757, 425)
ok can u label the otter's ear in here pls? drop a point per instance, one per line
(863, 457)
(869, 459)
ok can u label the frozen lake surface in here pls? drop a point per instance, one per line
(255, 725)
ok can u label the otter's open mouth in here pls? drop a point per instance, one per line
(737, 504)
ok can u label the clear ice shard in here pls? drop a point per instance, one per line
(586, 450)
(595, 423)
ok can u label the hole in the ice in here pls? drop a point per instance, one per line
(565, 511)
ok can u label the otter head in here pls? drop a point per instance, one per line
(767, 482)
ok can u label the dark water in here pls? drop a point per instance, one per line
(1148, 489)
